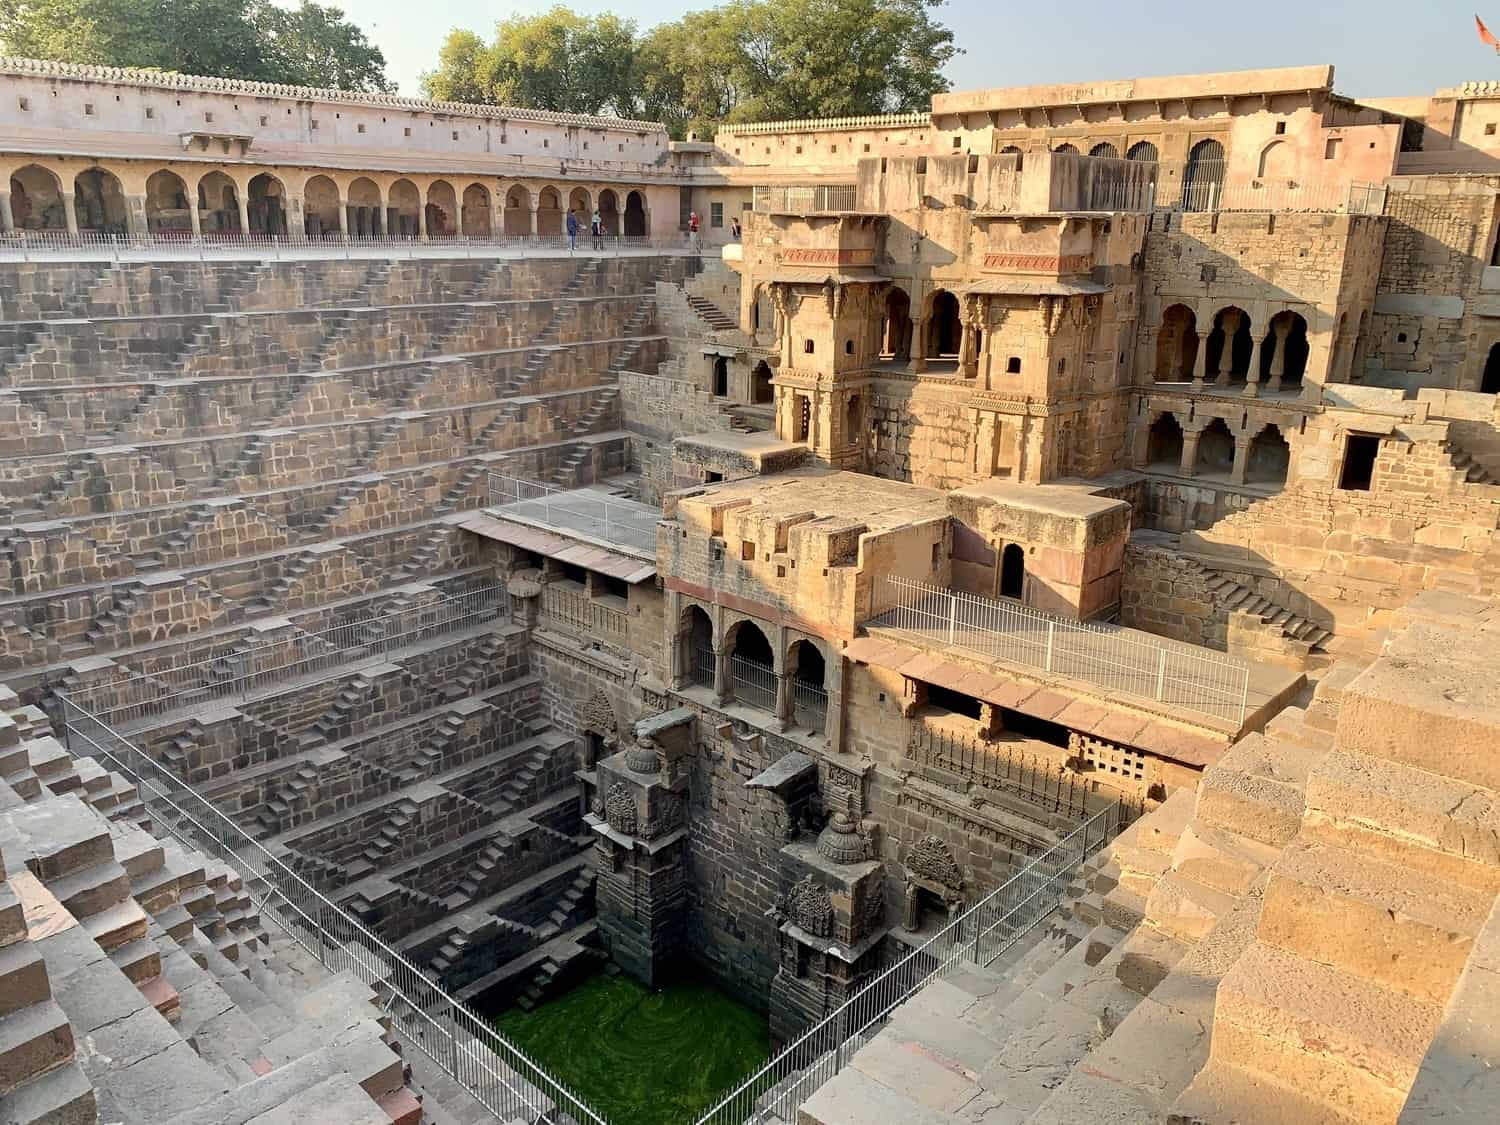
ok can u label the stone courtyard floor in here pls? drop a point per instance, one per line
(642, 1057)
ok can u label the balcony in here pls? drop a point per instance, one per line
(568, 607)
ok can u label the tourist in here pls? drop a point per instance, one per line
(598, 230)
(572, 230)
(693, 229)
(734, 229)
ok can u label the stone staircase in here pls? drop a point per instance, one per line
(1465, 462)
(711, 314)
(1237, 598)
(138, 984)
(1284, 946)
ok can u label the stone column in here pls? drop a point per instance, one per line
(70, 211)
(1200, 361)
(7, 217)
(135, 215)
(1241, 457)
(344, 219)
(1280, 330)
(1190, 452)
(534, 208)
(1252, 377)
(241, 196)
(918, 344)
(721, 676)
(783, 699)
(422, 218)
(195, 217)
(1231, 326)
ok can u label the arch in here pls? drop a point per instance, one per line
(99, 201)
(366, 208)
(1164, 442)
(167, 210)
(1144, 152)
(218, 204)
(1106, 150)
(808, 671)
(581, 203)
(36, 201)
(1229, 343)
(609, 212)
(1215, 449)
(1277, 161)
(1284, 354)
(1013, 571)
(752, 665)
(475, 220)
(1203, 178)
(636, 224)
(698, 637)
(1489, 382)
(895, 335)
(517, 211)
(1269, 457)
(1065, 147)
(442, 210)
(944, 327)
(403, 206)
(721, 375)
(266, 205)
(549, 216)
(760, 383)
(1176, 345)
(320, 207)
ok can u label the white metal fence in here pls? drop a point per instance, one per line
(99, 246)
(1116, 659)
(979, 936)
(243, 669)
(624, 523)
(802, 199)
(493, 1071)
(753, 682)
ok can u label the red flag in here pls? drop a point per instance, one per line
(1484, 34)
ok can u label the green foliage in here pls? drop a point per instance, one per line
(642, 1057)
(749, 60)
(312, 45)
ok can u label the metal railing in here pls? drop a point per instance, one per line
(21, 245)
(704, 662)
(1203, 188)
(569, 605)
(753, 682)
(493, 1071)
(248, 669)
(622, 523)
(803, 199)
(809, 705)
(1007, 768)
(1106, 656)
(979, 936)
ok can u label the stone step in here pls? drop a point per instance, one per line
(1445, 827)
(854, 1098)
(1322, 1031)
(1406, 930)
(23, 978)
(1224, 1094)
(1185, 909)
(1221, 859)
(33, 1039)
(1256, 789)
(63, 1096)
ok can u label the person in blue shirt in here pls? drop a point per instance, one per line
(572, 230)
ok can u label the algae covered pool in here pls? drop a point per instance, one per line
(642, 1056)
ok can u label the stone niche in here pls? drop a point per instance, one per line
(1054, 547)
(832, 919)
(640, 820)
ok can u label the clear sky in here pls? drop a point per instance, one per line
(1378, 47)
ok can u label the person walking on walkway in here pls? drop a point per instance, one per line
(693, 229)
(598, 230)
(572, 231)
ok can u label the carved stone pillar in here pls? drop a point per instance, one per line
(1200, 362)
(70, 211)
(919, 340)
(194, 217)
(721, 678)
(783, 700)
(7, 218)
(1252, 377)
(1190, 452)
(344, 219)
(1230, 325)
(1241, 457)
(1280, 330)
(241, 198)
(534, 210)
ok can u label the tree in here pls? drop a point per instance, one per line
(312, 45)
(748, 60)
(558, 60)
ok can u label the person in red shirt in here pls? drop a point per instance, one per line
(693, 228)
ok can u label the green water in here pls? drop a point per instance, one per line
(642, 1057)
